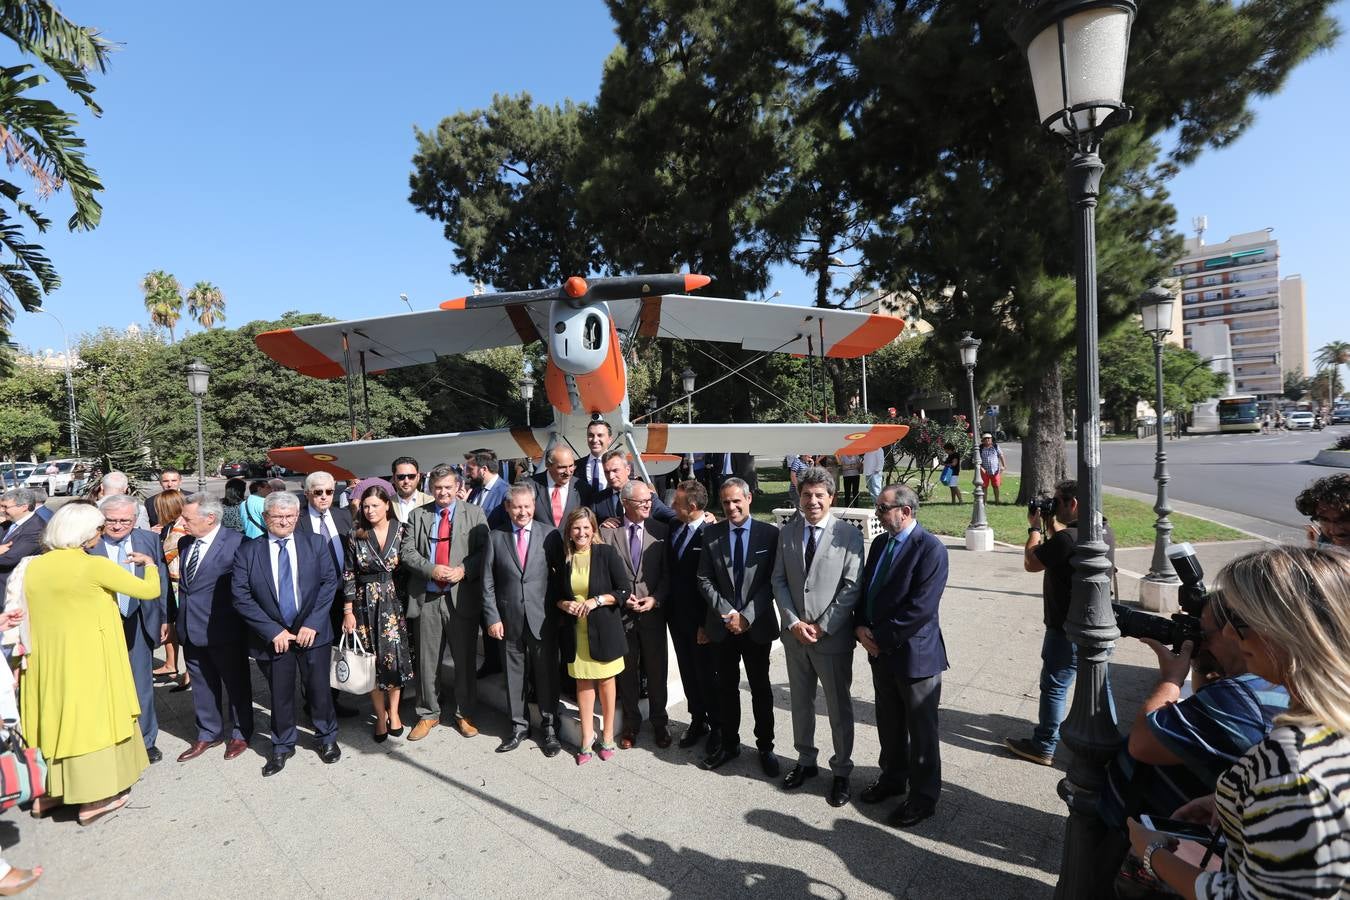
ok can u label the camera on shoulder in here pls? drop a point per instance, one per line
(1181, 626)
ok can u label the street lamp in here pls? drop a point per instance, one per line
(1077, 52)
(1155, 309)
(979, 536)
(687, 381)
(527, 393)
(70, 388)
(198, 374)
(404, 298)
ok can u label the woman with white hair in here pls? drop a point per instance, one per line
(78, 699)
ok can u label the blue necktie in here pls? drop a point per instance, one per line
(123, 601)
(333, 540)
(285, 583)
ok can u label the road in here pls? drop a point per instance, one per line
(1256, 476)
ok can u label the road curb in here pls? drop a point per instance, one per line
(1336, 459)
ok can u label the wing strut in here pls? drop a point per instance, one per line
(351, 393)
(637, 456)
(365, 396)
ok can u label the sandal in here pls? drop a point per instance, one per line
(112, 806)
(43, 806)
(16, 881)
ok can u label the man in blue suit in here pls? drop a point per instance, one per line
(144, 623)
(211, 631)
(284, 584)
(897, 624)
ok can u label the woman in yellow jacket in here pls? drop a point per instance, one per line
(78, 700)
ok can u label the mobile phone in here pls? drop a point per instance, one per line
(1188, 831)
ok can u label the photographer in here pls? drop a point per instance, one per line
(1327, 502)
(1052, 534)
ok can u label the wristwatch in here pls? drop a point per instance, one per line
(1147, 859)
(1034, 530)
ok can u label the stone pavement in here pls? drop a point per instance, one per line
(448, 817)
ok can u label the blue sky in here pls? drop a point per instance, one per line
(266, 148)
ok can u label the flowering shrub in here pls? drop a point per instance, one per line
(922, 452)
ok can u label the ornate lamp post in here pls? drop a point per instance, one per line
(1158, 589)
(979, 536)
(687, 382)
(198, 375)
(527, 393)
(1077, 52)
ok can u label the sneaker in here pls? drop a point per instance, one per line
(1029, 751)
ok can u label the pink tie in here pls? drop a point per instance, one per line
(522, 545)
(557, 505)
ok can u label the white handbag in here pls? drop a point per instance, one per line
(353, 666)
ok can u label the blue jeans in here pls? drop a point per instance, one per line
(1059, 664)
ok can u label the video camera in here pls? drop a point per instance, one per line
(1182, 626)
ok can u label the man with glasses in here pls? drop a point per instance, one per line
(608, 504)
(1327, 503)
(319, 517)
(407, 481)
(20, 531)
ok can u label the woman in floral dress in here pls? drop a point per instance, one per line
(372, 606)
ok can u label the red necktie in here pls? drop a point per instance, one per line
(557, 506)
(443, 543)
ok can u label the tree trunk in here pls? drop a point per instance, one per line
(1043, 464)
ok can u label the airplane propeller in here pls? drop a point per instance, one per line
(577, 291)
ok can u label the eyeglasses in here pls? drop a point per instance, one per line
(322, 492)
(119, 521)
(1225, 616)
(647, 502)
(887, 507)
(411, 477)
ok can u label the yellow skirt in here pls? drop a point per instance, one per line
(585, 668)
(100, 774)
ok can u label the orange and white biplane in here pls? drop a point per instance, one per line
(586, 377)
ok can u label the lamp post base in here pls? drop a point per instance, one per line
(980, 539)
(1159, 595)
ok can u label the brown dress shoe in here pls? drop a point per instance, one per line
(663, 738)
(234, 749)
(466, 727)
(627, 740)
(197, 749)
(422, 729)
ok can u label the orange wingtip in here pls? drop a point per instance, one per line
(872, 437)
(872, 335)
(575, 286)
(287, 348)
(457, 303)
(693, 282)
(301, 460)
(661, 457)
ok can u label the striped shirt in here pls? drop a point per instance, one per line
(1285, 809)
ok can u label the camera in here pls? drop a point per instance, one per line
(1182, 626)
(1046, 506)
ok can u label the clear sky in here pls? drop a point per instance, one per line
(267, 147)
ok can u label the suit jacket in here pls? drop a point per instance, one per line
(489, 500)
(342, 520)
(514, 596)
(578, 495)
(827, 595)
(904, 614)
(206, 613)
(717, 586)
(422, 499)
(686, 609)
(151, 513)
(154, 613)
(742, 467)
(608, 505)
(25, 541)
(255, 595)
(468, 537)
(604, 625)
(649, 579)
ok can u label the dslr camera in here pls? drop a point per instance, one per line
(1046, 506)
(1179, 627)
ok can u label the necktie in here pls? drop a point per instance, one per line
(190, 573)
(285, 583)
(879, 576)
(687, 540)
(595, 474)
(522, 545)
(123, 601)
(738, 562)
(557, 506)
(726, 463)
(331, 538)
(635, 545)
(810, 549)
(443, 543)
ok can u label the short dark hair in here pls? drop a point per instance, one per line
(695, 494)
(258, 485)
(1067, 489)
(441, 471)
(602, 423)
(611, 454)
(484, 459)
(169, 470)
(404, 461)
(1333, 490)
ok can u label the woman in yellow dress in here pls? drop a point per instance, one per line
(78, 699)
(591, 583)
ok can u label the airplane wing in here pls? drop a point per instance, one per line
(779, 327)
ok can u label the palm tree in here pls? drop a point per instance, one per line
(163, 299)
(1331, 356)
(206, 304)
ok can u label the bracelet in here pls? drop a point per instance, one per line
(1147, 860)
(1035, 530)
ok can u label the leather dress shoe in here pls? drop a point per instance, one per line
(197, 749)
(692, 735)
(627, 740)
(551, 745)
(235, 749)
(330, 753)
(154, 754)
(714, 742)
(768, 761)
(663, 738)
(466, 727)
(719, 759)
(912, 812)
(277, 763)
(510, 743)
(422, 729)
(880, 790)
(839, 791)
(798, 775)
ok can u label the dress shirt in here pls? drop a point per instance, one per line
(316, 521)
(820, 532)
(204, 543)
(274, 551)
(898, 540)
(690, 529)
(114, 551)
(14, 525)
(406, 506)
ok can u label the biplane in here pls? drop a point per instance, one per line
(580, 324)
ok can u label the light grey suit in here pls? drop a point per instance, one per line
(449, 614)
(825, 597)
(517, 597)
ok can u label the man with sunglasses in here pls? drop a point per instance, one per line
(320, 517)
(407, 479)
(1327, 503)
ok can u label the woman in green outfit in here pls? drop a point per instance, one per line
(591, 583)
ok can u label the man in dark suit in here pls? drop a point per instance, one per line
(20, 535)
(442, 552)
(591, 468)
(284, 585)
(897, 624)
(736, 581)
(487, 486)
(210, 629)
(521, 618)
(557, 492)
(721, 466)
(643, 546)
(686, 613)
(608, 504)
(144, 623)
(170, 479)
(318, 516)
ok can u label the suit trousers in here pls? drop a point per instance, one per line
(213, 668)
(142, 656)
(698, 673)
(647, 652)
(309, 667)
(437, 627)
(907, 723)
(527, 659)
(731, 652)
(808, 667)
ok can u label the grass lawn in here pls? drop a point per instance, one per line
(1131, 520)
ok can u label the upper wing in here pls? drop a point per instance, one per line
(779, 327)
(767, 439)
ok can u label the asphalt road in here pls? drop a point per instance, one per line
(1255, 476)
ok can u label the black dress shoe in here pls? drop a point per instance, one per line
(797, 777)
(551, 745)
(714, 744)
(768, 761)
(154, 754)
(839, 791)
(912, 812)
(512, 742)
(330, 753)
(719, 759)
(277, 763)
(662, 733)
(880, 790)
(692, 735)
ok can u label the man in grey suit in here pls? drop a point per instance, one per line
(520, 618)
(816, 584)
(442, 551)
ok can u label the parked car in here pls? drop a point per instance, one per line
(1299, 420)
(241, 469)
(1340, 415)
(55, 484)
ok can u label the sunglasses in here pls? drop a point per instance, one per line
(411, 477)
(1225, 616)
(322, 492)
